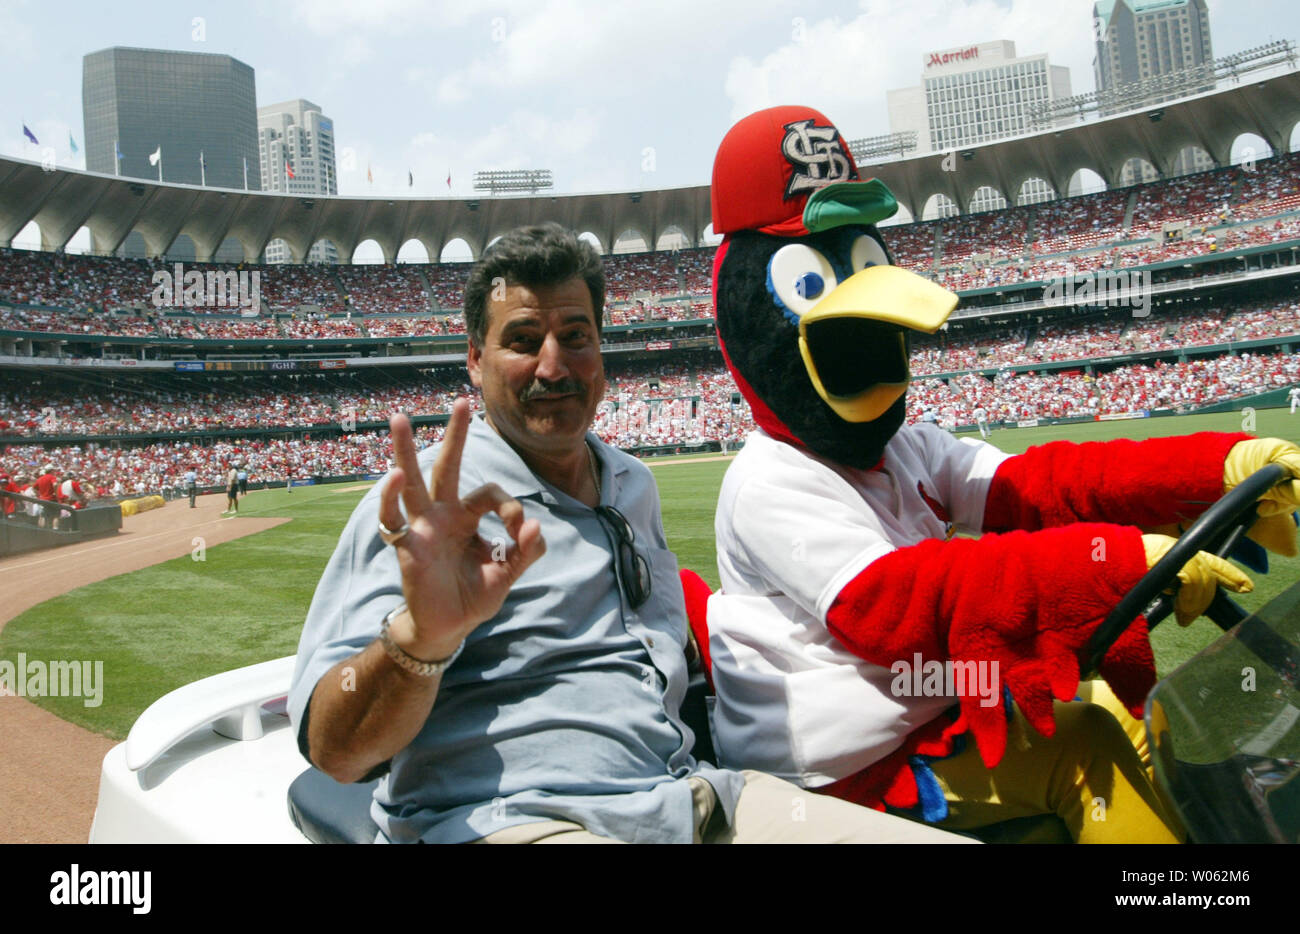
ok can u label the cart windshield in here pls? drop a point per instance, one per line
(1224, 730)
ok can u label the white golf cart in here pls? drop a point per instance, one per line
(217, 762)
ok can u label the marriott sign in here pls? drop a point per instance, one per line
(957, 55)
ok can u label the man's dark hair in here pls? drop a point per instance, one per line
(542, 255)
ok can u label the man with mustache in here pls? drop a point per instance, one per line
(502, 626)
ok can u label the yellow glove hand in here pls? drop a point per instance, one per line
(1246, 457)
(1198, 578)
(1276, 533)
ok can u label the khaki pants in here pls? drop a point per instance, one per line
(769, 811)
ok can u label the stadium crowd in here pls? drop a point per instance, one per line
(648, 404)
(1133, 388)
(375, 289)
(33, 409)
(1106, 337)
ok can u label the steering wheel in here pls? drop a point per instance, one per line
(1216, 531)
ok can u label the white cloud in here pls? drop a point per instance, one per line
(15, 35)
(355, 50)
(347, 17)
(595, 48)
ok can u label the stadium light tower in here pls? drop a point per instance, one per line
(889, 146)
(529, 180)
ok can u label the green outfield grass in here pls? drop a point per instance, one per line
(171, 624)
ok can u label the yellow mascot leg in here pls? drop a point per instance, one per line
(1098, 692)
(1088, 774)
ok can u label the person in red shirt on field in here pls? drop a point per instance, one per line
(47, 482)
(10, 506)
(70, 491)
(45, 488)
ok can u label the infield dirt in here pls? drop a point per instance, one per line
(49, 769)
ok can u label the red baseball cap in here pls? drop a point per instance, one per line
(788, 172)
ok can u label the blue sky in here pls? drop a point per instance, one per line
(625, 95)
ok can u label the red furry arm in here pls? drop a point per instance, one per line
(1026, 601)
(1144, 483)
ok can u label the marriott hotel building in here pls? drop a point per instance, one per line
(976, 94)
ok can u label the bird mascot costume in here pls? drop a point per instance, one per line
(856, 647)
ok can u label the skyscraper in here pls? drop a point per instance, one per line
(181, 105)
(296, 153)
(187, 117)
(1138, 39)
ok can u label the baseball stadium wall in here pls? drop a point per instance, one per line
(18, 535)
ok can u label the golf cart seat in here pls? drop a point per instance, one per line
(329, 812)
(1224, 730)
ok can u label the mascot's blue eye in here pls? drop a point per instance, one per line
(809, 285)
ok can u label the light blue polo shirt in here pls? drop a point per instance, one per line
(565, 705)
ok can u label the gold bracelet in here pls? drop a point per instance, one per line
(407, 661)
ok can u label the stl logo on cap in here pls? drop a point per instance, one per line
(816, 154)
(770, 164)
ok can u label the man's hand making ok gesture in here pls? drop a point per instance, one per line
(452, 579)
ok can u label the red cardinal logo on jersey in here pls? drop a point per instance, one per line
(936, 507)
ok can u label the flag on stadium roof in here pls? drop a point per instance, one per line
(449, 179)
(288, 169)
(72, 144)
(410, 179)
(30, 135)
(369, 176)
(155, 156)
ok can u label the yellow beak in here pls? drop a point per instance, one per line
(877, 293)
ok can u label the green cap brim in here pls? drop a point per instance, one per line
(845, 203)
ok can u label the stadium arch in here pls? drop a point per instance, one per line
(939, 206)
(631, 240)
(672, 237)
(324, 242)
(1085, 181)
(593, 240)
(1025, 195)
(366, 253)
(182, 249)
(1196, 148)
(457, 250)
(79, 242)
(31, 237)
(986, 198)
(1248, 148)
(1141, 168)
(413, 251)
